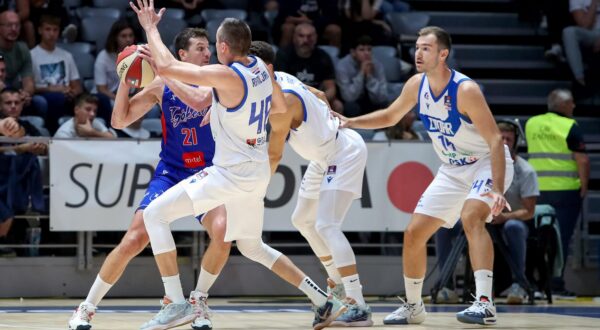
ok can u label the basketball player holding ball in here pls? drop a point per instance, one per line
(186, 149)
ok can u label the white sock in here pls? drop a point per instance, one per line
(353, 288)
(332, 271)
(98, 291)
(314, 293)
(483, 283)
(205, 280)
(173, 289)
(414, 288)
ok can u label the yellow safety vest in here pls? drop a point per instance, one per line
(549, 154)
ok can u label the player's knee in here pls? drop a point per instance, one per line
(413, 236)
(301, 222)
(256, 250)
(472, 225)
(134, 242)
(327, 228)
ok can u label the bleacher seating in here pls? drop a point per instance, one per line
(512, 57)
(95, 29)
(519, 92)
(482, 24)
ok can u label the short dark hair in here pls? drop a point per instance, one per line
(182, 40)
(236, 33)
(9, 90)
(263, 50)
(86, 98)
(363, 40)
(50, 20)
(443, 38)
(509, 126)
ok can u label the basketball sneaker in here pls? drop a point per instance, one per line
(171, 315)
(203, 313)
(483, 312)
(407, 314)
(82, 316)
(330, 311)
(446, 296)
(355, 316)
(336, 290)
(516, 295)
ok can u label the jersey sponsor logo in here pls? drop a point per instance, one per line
(253, 143)
(462, 161)
(198, 176)
(438, 125)
(181, 115)
(193, 159)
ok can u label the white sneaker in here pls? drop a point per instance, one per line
(481, 312)
(203, 313)
(171, 315)
(446, 296)
(407, 314)
(82, 316)
(516, 295)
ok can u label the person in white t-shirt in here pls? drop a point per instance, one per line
(84, 124)
(54, 71)
(585, 35)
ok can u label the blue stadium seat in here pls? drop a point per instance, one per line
(153, 125)
(77, 47)
(122, 5)
(221, 14)
(332, 51)
(169, 28)
(95, 29)
(86, 12)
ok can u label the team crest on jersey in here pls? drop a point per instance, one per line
(448, 102)
(182, 115)
(426, 95)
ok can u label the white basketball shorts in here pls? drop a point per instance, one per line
(240, 188)
(445, 196)
(343, 170)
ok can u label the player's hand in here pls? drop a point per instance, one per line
(499, 201)
(146, 54)
(206, 119)
(145, 12)
(344, 122)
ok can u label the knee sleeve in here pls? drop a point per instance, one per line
(257, 250)
(168, 207)
(304, 219)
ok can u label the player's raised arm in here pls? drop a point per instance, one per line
(280, 119)
(393, 113)
(217, 75)
(472, 102)
(127, 110)
(198, 98)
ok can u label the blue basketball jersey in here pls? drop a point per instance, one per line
(185, 145)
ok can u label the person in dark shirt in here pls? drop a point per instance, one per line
(309, 63)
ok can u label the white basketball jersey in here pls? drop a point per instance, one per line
(455, 139)
(240, 132)
(314, 139)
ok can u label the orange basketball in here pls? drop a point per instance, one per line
(132, 69)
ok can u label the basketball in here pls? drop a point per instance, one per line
(132, 69)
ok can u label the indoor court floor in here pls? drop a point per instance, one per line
(281, 313)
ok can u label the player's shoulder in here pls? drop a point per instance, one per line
(468, 87)
(414, 83)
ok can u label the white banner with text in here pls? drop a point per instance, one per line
(97, 185)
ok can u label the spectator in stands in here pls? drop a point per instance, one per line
(84, 123)
(106, 79)
(403, 130)
(55, 8)
(584, 37)
(361, 79)
(18, 64)
(522, 196)
(557, 153)
(2, 72)
(134, 131)
(309, 63)
(55, 72)
(20, 175)
(364, 17)
(323, 14)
